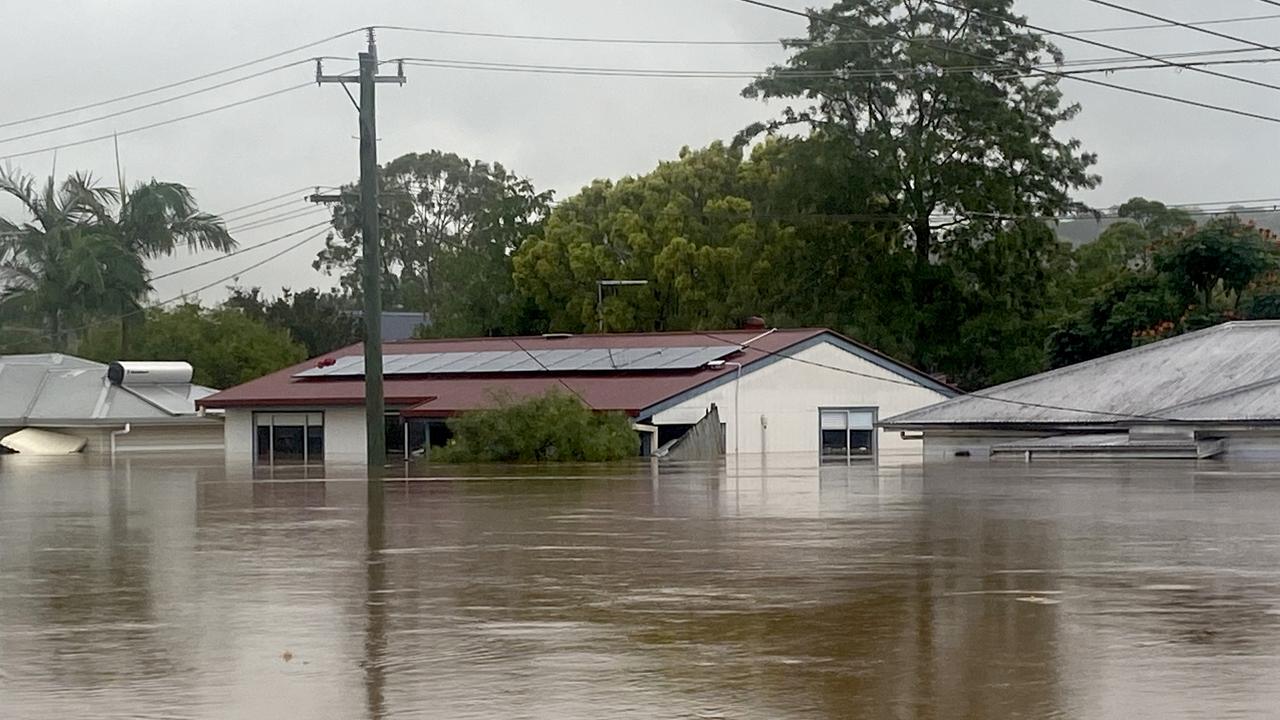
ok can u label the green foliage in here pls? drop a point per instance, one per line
(449, 228)
(1223, 254)
(938, 139)
(1135, 304)
(225, 346)
(552, 427)
(322, 322)
(81, 251)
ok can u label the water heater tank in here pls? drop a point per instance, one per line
(149, 373)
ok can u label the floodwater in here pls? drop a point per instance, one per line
(174, 588)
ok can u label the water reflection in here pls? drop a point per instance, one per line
(177, 587)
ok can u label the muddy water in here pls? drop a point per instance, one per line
(175, 588)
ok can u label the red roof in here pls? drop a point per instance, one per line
(441, 395)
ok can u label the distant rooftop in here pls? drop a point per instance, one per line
(1228, 374)
(53, 389)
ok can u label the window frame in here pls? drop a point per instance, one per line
(850, 458)
(306, 426)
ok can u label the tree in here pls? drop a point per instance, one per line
(57, 268)
(83, 251)
(449, 228)
(552, 427)
(1156, 218)
(225, 346)
(322, 322)
(689, 228)
(1223, 254)
(955, 126)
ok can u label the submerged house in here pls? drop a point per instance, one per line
(1206, 394)
(797, 391)
(55, 403)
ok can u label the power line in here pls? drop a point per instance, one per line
(297, 198)
(908, 383)
(1165, 26)
(308, 211)
(1030, 71)
(680, 42)
(264, 201)
(1108, 46)
(184, 295)
(1270, 2)
(239, 251)
(1185, 25)
(179, 83)
(533, 357)
(153, 125)
(156, 103)
(588, 71)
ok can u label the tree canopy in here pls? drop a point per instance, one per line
(449, 228)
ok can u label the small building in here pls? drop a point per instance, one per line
(796, 391)
(121, 407)
(1215, 392)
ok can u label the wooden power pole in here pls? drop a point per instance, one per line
(371, 263)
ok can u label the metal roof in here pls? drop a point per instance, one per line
(53, 388)
(1228, 373)
(628, 391)
(531, 361)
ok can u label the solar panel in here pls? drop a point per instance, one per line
(559, 360)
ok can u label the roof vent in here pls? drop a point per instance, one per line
(755, 322)
(149, 373)
(556, 336)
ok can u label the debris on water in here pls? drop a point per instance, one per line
(1039, 600)
(286, 656)
(1168, 588)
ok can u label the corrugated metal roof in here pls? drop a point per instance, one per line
(1227, 373)
(444, 395)
(54, 388)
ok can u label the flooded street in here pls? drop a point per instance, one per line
(175, 588)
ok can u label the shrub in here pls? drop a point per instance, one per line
(554, 427)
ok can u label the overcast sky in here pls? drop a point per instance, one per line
(560, 131)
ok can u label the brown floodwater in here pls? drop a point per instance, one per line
(176, 588)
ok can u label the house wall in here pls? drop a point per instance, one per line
(344, 436)
(787, 394)
(950, 445)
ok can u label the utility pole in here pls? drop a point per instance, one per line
(371, 263)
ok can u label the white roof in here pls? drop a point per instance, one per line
(1228, 373)
(60, 389)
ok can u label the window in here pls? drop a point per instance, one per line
(847, 434)
(288, 438)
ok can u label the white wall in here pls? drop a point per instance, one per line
(788, 393)
(344, 436)
(343, 433)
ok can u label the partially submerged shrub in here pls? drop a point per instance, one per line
(551, 427)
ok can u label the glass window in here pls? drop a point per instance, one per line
(847, 434)
(288, 437)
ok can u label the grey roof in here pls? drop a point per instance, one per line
(52, 388)
(1227, 373)
(399, 324)
(635, 359)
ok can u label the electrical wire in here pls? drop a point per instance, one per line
(153, 125)
(180, 83)
(156, 103)
(1184, 25)
(226, 213)
(1030, 71)
(238, 251)
(583, 71)
(270, 208)
(189, 293)
(669, 41)
(908, 383)
(1270, 2)
(534, 358)
(1108, 46)
(276, 219)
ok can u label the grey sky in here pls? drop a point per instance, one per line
(560, 131)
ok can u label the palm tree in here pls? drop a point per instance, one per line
(55, 268)
(83, 251)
